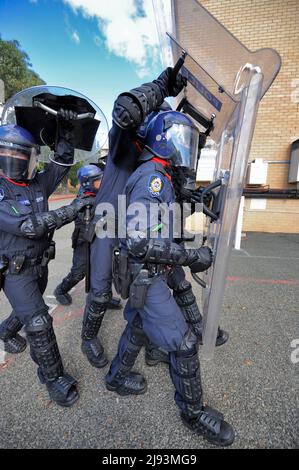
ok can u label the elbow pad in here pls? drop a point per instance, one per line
(131, 108)
(64, 215)
(160, 252)
(38, 225)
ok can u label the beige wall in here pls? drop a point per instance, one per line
(258, 24)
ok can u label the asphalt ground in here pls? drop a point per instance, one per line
(251, 379)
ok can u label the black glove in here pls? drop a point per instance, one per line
(203, 261)
(66, 115)
(64, 146)
(174, 85)
(80, 202)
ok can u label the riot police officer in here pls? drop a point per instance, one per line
(26, 247)
(90, 177)
(130, 111)
(152, 312)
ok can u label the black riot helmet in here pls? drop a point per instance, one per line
(18, 153)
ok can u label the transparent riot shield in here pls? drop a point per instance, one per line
(225, 84)
(36, 109)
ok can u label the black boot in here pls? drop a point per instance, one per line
(44, 351)
(124, 381)
(132, 384)
(185, 374)
(13, 342)
(154, 355)
(222, 337)
(211, 425)
(94, 351)
(61, 292)
(92, 321)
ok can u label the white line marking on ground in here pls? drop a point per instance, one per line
(52, 307)
(246, 253)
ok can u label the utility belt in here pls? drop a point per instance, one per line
(18, 263)
(132, 280)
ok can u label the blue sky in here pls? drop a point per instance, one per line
(97, 47)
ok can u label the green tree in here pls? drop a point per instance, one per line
(72, 175)
(15, 68)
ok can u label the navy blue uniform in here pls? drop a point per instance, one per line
(147, 264)
(18, 200)
(26, 231)
(121, 162)
(79, 259)
(161, 319)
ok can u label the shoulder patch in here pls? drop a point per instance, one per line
(155, 185)
(2, 195)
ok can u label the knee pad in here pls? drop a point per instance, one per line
(185, 371)
(39, 331)
(185, 360)
(188, 345)
(94, 314)
(44, 348)
(40, 323)
(182, 287)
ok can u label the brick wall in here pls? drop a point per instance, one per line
(258, 24)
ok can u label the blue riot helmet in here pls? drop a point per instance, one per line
(18, 153)
(87, 175)
(172, 136)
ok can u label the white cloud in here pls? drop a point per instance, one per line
(75, 37)
(128, 27)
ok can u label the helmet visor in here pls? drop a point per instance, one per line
(18, 162)
(184, 140)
